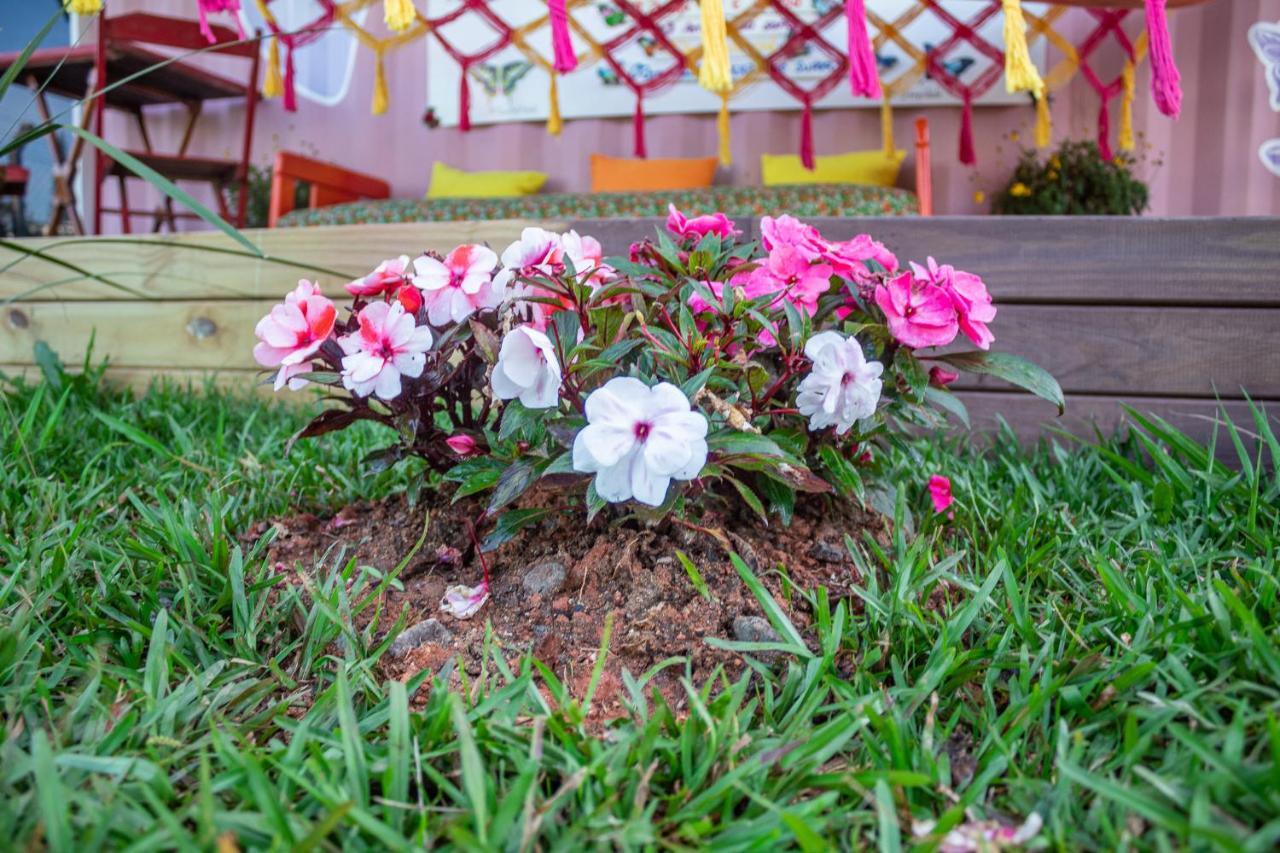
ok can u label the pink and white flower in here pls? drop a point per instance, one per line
(699, 226)
(293, 332)
(387, 345)
(587, 256)
(527, 369)
(386, 277)
(919, 312)
(455, 288)
(638, 439)
(843, 387)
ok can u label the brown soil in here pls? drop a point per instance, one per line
(619, 567)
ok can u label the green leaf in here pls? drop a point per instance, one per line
(164, 185)
(948, 402)
(695, 576)
(512, 522)
(512, 483)
(1013, 369)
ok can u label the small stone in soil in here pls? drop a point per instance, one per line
(544, 579)
(428, 631)
(754, 629)
(827, 553)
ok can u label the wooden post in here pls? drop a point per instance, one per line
(924, 175)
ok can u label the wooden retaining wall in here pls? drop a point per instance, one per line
(1170, 316)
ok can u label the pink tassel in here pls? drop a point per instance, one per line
(464, 100)
(806, 137)
(967, 155)
(290, 93)
(1166, 82)
(863, 78)
(637, 128)
(565, 59)
(1104, 129)
(204, 25)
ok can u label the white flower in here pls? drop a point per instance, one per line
(387, 345)
(464, 601)
(537, 252)
(843, 386)
(637, 439)
(527, 368)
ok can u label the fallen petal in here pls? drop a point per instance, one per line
(464, 601)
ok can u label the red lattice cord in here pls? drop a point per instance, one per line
(966, 31)
(1108, 24)
(642, 23)
(295, 39)
(466, 60)
(802, 33)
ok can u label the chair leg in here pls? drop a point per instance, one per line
(125, 224)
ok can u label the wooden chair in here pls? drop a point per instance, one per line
(327, 184)
(124, 34)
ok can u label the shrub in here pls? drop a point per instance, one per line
(699, 369)
(1075, 181)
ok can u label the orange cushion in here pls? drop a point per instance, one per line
(622, 174)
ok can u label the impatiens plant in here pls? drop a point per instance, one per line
(699, 371)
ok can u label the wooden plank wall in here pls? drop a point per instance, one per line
(1170, 316)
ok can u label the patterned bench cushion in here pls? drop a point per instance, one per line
(799, 200)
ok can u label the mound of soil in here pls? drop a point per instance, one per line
(554, 585)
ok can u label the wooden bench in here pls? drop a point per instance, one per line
(1168, 315)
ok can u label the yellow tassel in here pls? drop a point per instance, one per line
(1125, 137)
(722, 128)
(380, 96)
(84, 7)
(399, 15)
(1020, 74)
(714, 75)
(886, 128)
(1044, 126)
(554, 124)
(273, 83)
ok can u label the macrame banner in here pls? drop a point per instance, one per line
(966, 63)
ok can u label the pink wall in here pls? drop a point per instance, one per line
(1204, 164)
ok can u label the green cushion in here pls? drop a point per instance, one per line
(798, 200)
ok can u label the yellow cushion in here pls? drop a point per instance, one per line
(623, 174)
(872, 168)
(448, 182)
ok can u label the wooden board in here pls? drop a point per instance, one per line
(1096, 260)
(211, 266)
(1148, 351)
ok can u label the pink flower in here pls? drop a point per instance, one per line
(968, 295)
(387, 346)
(849, 259)
(789, 231)
(388, 276)
(699, 226)
(940, 377)
(458, 286)
(461, 444)
(698, 305)
(940, 493)
(790, 274)
(293, 332)
(919, 313)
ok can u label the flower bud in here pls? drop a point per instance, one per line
(463, 445)
(941, 378)
(411, 298)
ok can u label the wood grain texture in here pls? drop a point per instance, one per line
(1096, 260)
(1144, 350)
(182, 266)
(161, 336)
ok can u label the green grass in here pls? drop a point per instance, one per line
(1110, 650)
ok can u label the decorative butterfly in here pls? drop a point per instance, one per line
(501, 79)
(885, 62)
(955, 67)
(1269, 154)
(1265, 39)
(613, 16)
(649, 44)
(607, 75)
(821, 7)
